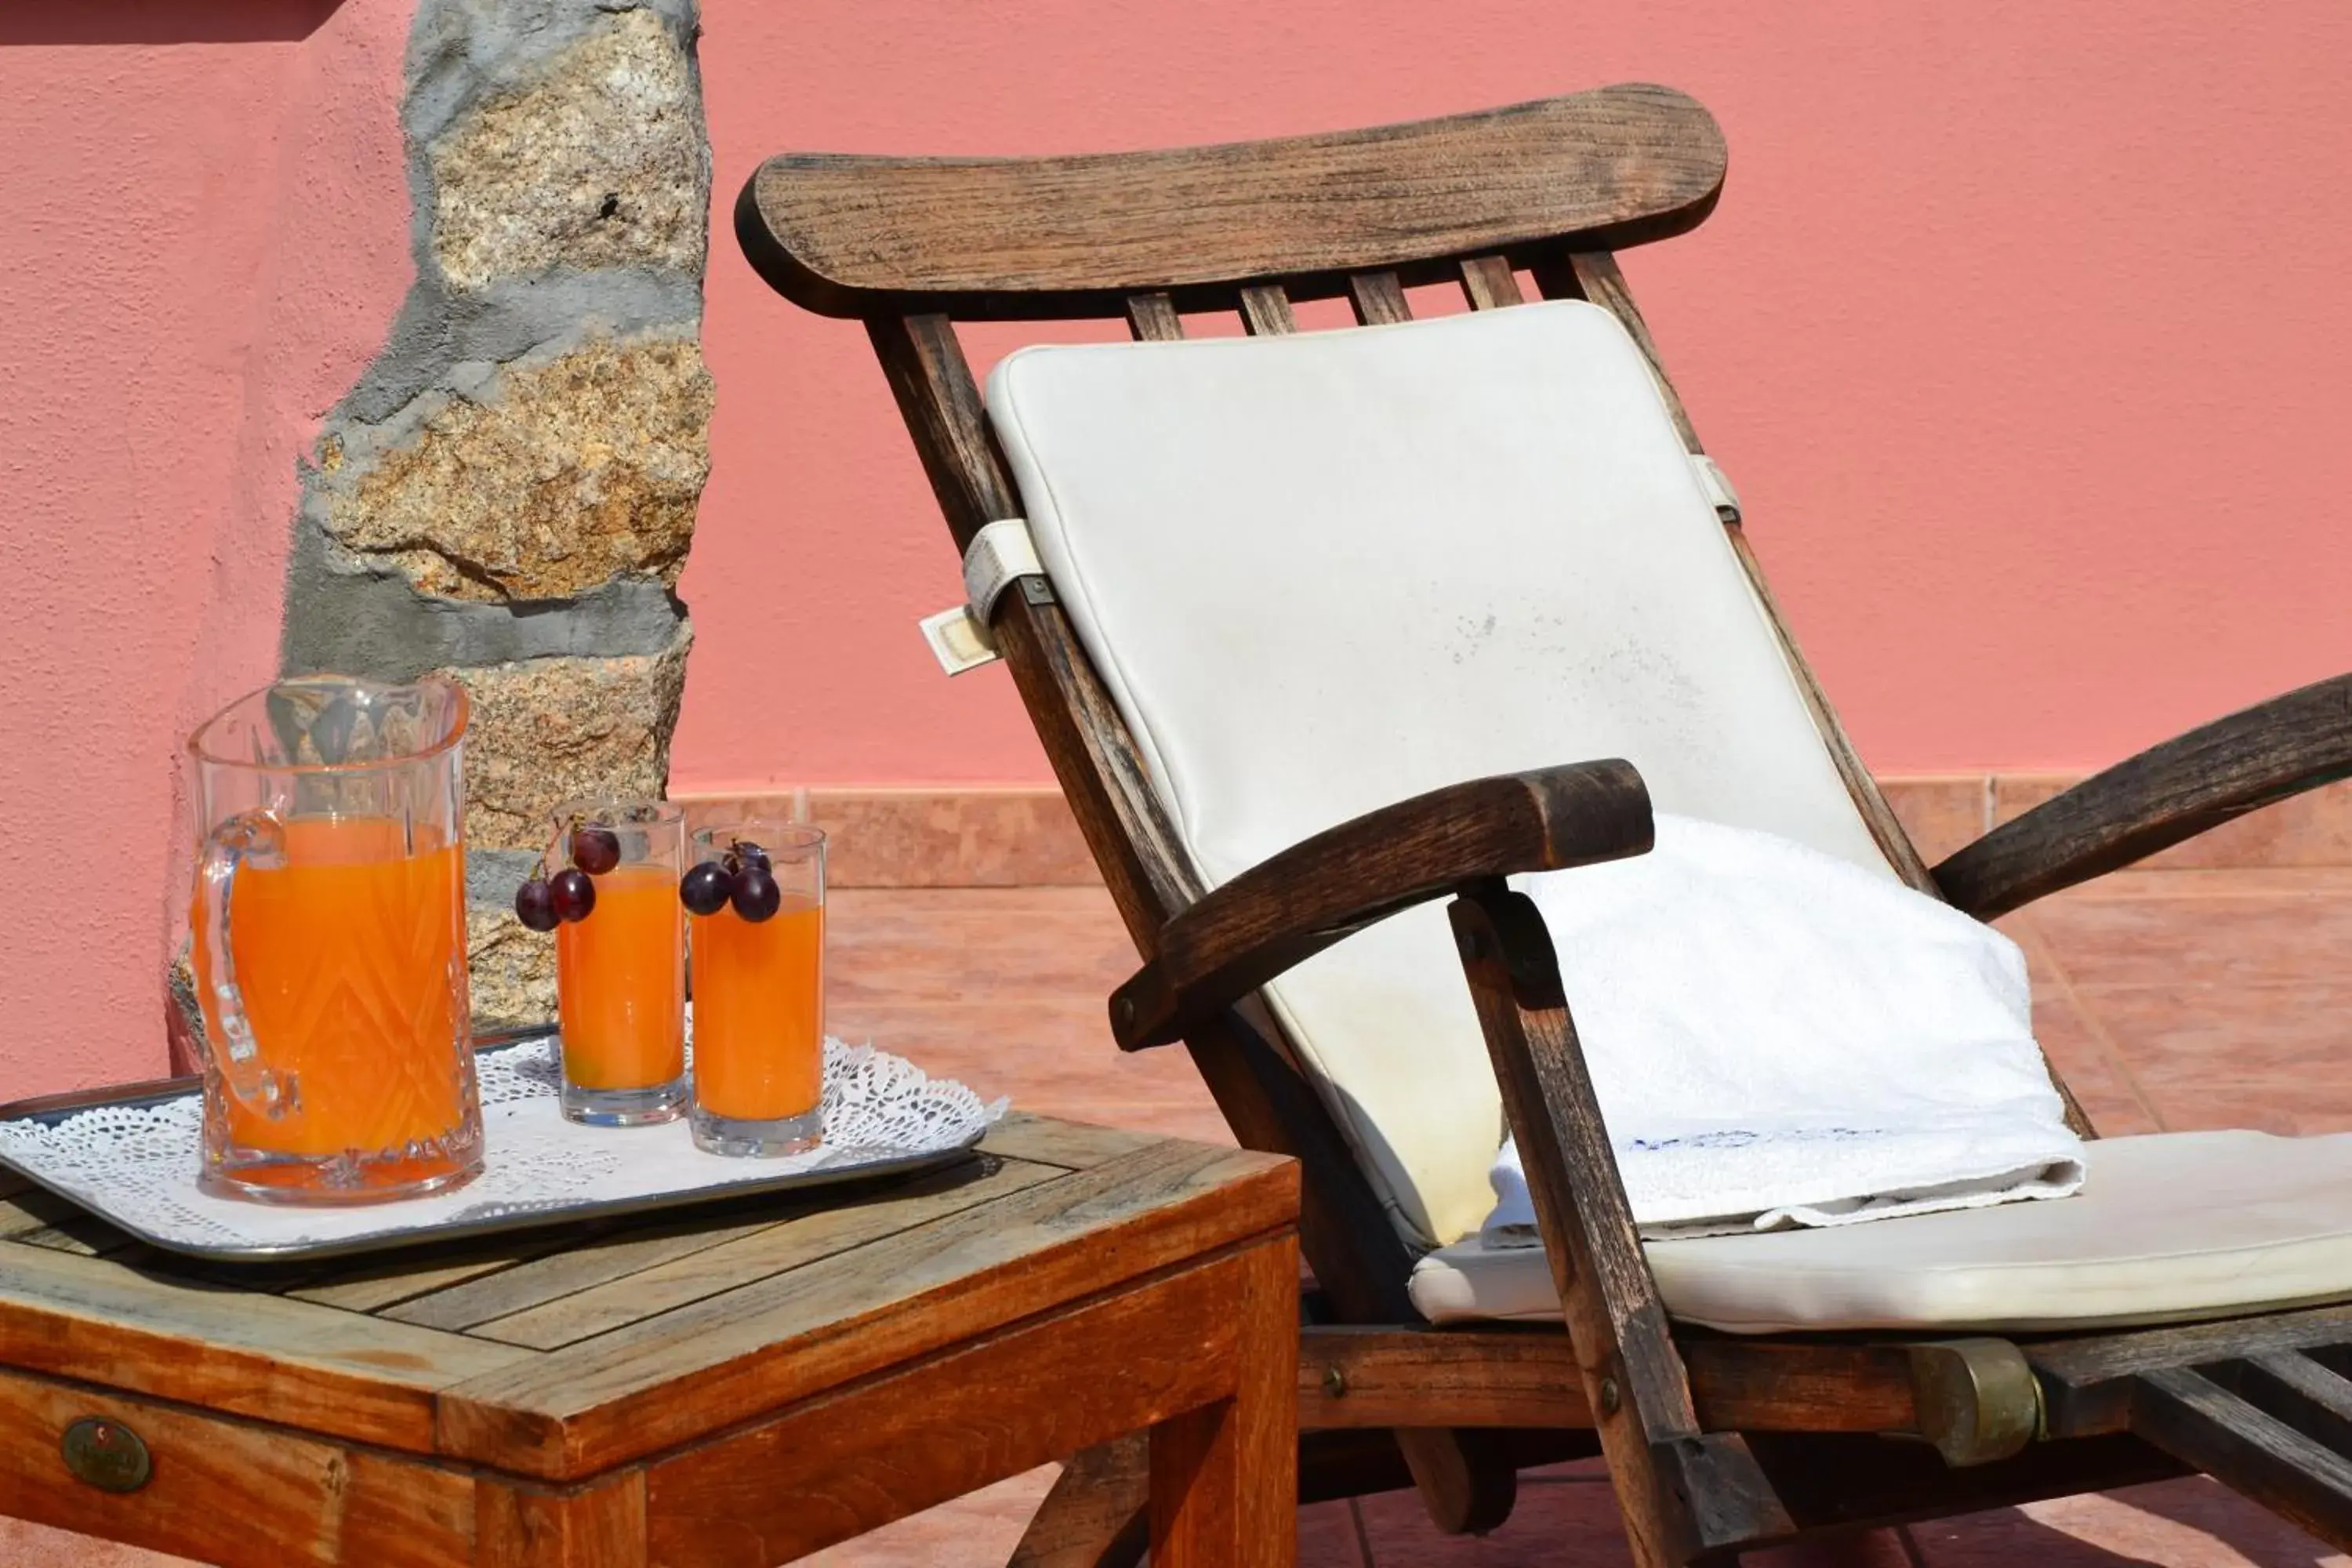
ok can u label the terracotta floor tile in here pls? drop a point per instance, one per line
(2101, 1080)
(2235, 882)
(1020, 904)
(981, 1530)
(976, 1532)
(2175, 1510)
(1864, 1548)
(1055, 1058)
(2189, 1108)
(23, 1545)
(2189, 1523)
(1558, 1522)
(1204, 1122)
(1940, 814)
(2204, 1056)
(2014, 795)
(1006, 989)
(2311, 829)
(951, 944)
(2041, 967)
(1569, 1518)
(2197, 940)
(1330, 1537)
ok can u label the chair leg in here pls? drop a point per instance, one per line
(1098, 1515)
(1686, 1495)
(1468, 1480)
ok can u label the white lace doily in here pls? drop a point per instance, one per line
(136, 1165)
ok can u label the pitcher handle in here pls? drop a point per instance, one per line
(259, 838)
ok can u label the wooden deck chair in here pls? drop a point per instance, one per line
(1211, 687)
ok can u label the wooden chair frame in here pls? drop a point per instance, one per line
(1714, 1443)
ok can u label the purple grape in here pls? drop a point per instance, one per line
(755, 895)
(571, 894)
(704, 889)
(596, 850)
(535, 906)
(749, 854)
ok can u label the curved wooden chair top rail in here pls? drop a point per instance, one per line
(846, 234)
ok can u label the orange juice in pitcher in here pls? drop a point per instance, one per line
(330, 943)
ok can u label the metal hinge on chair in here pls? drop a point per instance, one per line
(1718, 486)
(1002, 553)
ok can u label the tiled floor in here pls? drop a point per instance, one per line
(2168, 1000)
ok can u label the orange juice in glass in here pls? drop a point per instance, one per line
(756, 897)
(328, 942)
(620, 968)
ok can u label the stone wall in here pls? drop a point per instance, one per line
(507, 494)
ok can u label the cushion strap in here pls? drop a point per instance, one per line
(1001, 553)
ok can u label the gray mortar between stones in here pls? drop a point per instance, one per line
(343, 613)
(436, 332)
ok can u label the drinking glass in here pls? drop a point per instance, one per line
(758, 992)
(620, 972)
(328, 927)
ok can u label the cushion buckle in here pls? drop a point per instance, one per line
(1000, 555)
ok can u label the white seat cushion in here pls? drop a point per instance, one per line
(1323, 572)
(2167, 1227)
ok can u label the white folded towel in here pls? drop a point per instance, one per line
(1779, 1038)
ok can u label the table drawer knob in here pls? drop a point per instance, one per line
(107, 1454)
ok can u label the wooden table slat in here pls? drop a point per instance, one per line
(243, 1351)
(39, 1218)
(1072, 1145)
(736, 1258)
(465, 1303)
(371, 1286)
(678, 1376)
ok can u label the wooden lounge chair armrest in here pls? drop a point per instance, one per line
(2165, 794)
(1298, 902)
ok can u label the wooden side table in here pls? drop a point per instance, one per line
(738, 1388)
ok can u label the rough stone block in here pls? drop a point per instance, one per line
(511, 967)
(546, 730)
(551, 478)
(599, 162)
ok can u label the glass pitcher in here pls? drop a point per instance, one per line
(329, 941)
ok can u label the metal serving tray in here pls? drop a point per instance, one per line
(731, 1181)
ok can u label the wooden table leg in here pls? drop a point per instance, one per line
(1224, 1478)
(603, 1527)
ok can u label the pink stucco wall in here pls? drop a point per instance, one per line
(205, 240)
(2018, 328)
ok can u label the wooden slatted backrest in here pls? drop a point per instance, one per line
(1023, 238)
(912, 245)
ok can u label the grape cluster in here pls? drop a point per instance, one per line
(543, 903)
(743, 877)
